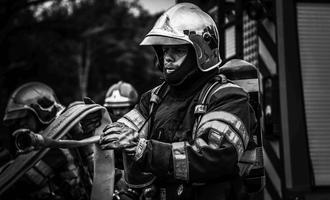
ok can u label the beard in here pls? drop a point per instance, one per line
(184, 73)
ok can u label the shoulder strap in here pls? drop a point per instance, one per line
(204, 96)
(154, 98)
(157, 94)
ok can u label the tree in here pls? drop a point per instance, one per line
(77, 47)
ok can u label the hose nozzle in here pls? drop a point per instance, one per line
(26, 140)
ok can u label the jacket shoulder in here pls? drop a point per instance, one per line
(227, 91)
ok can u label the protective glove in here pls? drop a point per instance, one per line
(91, 121)
(119, 136)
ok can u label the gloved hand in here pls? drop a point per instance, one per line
(91, 121)
(119, 136)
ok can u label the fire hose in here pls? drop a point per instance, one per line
(103, 179)
(26, 140)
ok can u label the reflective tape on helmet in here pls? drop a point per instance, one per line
(135, 120)
(180, 160)
(117, 100)
(229, 119)
(121, 94)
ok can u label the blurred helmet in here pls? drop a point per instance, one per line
(121, 94)
(34, 97)
(186, 23)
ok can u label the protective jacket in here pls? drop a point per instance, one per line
(189, 157)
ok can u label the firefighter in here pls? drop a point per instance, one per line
(60, 173)
(120, 98)
(173, 147)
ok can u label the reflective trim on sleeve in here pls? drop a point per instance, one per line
(135, 120)
(39, 173)
(35, 177)
(44, 168)
(140, 148)
(223, 129)
(180, 161)
(215, 139)
(230, 119)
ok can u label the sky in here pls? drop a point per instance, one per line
(154, 6)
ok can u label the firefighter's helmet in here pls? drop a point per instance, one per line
(121, 94)
(186, 23)
(34, 97)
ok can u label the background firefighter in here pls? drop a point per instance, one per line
(120, 98)
(61, 173)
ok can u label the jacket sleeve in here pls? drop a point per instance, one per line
(219, 140)
(137, 118)
(221, 137)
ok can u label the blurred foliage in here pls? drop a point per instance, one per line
(44, 47)
(42, 43)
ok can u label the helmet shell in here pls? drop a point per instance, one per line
(34, 97)
(186, 23)
(121, 94)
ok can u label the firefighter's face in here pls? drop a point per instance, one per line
(117, 113)
(174, 56)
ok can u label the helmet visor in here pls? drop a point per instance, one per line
(162, 40)
(15, 114)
